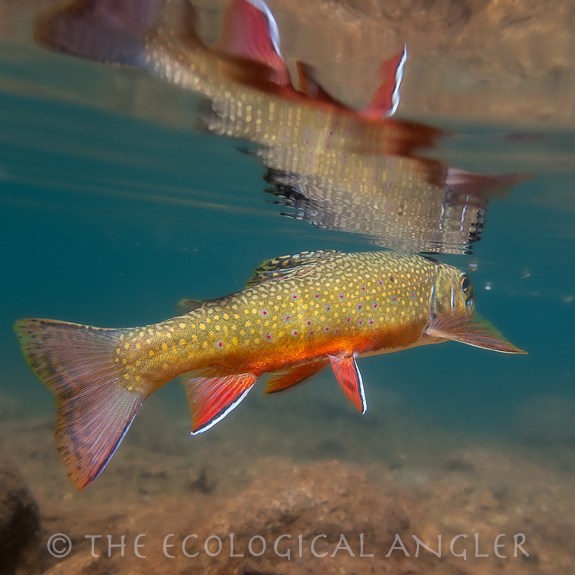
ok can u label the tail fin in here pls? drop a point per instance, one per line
(110, 31)
(95, 406)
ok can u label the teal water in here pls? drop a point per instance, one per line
(108, 219)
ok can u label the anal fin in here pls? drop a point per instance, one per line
(284, 380)
(349, 377)
(211, 398)
(250, 31)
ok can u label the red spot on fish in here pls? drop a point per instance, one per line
(327, 307)
(336, 330)
(348, 319)
(287, 317)
(380, 282)
(326, 328)
(341, 296)
(358, 306)
(265, 312)
(308, 322)
(362, 288)
(394, 298)
(294, 332)
(316, 296)
(370, 321)
(294, 296)
(311, 332)
(269, 336)
(359, 321)
(412, 295)
(374, 305)
(220, 344)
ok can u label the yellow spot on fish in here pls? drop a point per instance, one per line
(182, 325)
(248, 323)
(226, 316)
(194, 338)
(182, 342)
(164, 346)
(151, 352)
(126, 376)
(151, 331)
(202, 326)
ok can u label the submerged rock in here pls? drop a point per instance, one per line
(19, 524)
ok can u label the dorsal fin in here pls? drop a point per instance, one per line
(290, 265)
(250, 31)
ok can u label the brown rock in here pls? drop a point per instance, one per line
(19, 524)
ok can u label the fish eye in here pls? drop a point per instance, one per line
(465, 283)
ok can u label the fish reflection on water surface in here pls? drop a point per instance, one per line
(341, 169)
(298, 315)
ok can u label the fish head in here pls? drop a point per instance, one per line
(452, 292)
(453, 318)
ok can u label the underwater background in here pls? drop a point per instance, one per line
(115, 204)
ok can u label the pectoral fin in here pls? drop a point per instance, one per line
(472, 330)
(212, 398)
(348, 376)
(284, 380)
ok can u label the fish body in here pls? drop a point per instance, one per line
(298, 315)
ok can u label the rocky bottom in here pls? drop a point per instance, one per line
(272, 494)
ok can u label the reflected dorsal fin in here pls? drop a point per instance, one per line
(290, 265)
(188, 304)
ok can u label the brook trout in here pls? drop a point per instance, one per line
(299, 314)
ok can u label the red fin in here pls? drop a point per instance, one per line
(386, 99)
(309, 86)
(472, 330)
(212, 398)
(348, 376)
(466, 183)
(250, 31)
(95, 408)
(283, 380)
